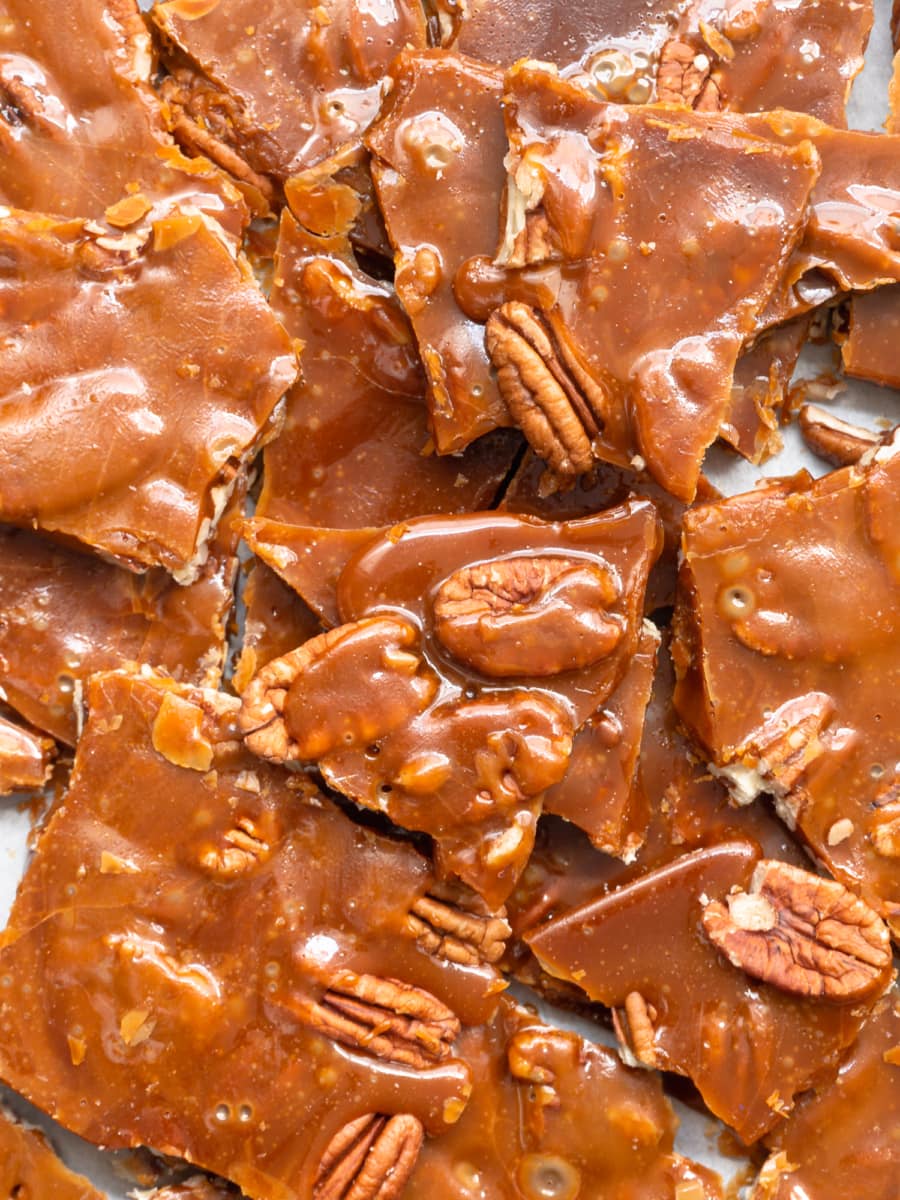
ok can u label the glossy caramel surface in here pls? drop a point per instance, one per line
(81, 130)
(152, 418)
(843, 1141)
(355, 449)
(189, 943)
(25, 757)
(65, 614)
(656, 295)
(284, 83)
(438, 150)
(552, 1114)
(768, 671)
(748, 1047)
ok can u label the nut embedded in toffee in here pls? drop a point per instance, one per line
(658, 281)
(269, 89)
(554, 1115)
(750, 1047)
(470, 764)
(81, 133)
(220, 1020)
(783, 697)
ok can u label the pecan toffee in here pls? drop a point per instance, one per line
(337, 197)
(26, 757)
(674, 804)
(867, 351)
(81, 133)
(553, 1115)
(65, 614)
(269, 89)
(492, 639)
(276, 621)
(836, 441)
(438, 150)
(771, 54)
(850, 240)
(153, 364)
(355, 449)
(598, 792)
(752, 57)
(238, 970)
(680, 1005)
(784, 697)
(29, 1167)
(631, 358)
(840, 1143)
(759, 390)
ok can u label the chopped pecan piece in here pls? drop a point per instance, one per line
(298, 707)
(385, 1017)
(803, 934)
(776, 757)
(684, 77)
(884, 827)
(633, 1025)
(459, 929)
(244, 849)
(371, 1158)
(836, 441)
(550, 396)
(529, 615)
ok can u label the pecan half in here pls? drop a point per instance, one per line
(684, 77)
(550, 396)
(458, 927)
(384, 1017)
(347, 687)
(529, 616)
(371, 1158)
(836, 441)
(802, 934)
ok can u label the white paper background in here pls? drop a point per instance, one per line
(869, 404)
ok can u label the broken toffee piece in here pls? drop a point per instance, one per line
(267, 90)
(155, 365)
(26, 757)
(645, 949)
(276, 620)
(492, 639)
(355, 450)
(772, 54)
(81, 132)
(554, 1115)
(840, 1142)
(759, 390)
(598, 792)
(632, 358)
(30, 1168)
(783, 697)
(240, 971)
(850, 241)
(65, 614)
(438, 149)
